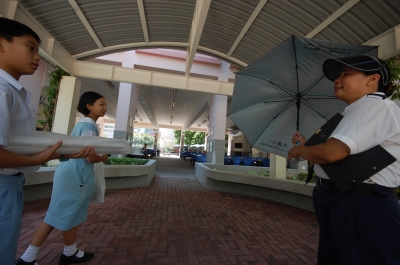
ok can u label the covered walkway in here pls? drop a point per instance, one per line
(176, 221)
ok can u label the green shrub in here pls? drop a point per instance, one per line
(126, 161)
(265, 174)
(303, 177)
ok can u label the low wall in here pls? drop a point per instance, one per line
(235, 179)
(39, 185)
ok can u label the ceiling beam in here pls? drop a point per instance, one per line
(222, 56)
(142, 100)
(85, 22)
(150, 78)
(12, 10)
(246, 27)
(170, 45)
(143, 20)
(388, 42)
(128, 46)
(50, 50)
(198, 21)
(198, 110)
(168, 126)
(343, 9)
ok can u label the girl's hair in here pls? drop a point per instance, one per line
(90, 98)
(387, 88)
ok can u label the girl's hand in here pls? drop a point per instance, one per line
(298, 139)
(104, 158)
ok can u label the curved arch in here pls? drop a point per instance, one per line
(141, 45)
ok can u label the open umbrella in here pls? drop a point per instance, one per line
(286, 91)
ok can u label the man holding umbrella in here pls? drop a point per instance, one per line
(359, 224)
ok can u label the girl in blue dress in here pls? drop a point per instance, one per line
(72, 189)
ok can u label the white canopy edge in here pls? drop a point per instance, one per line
(388, 42)
(150, 78)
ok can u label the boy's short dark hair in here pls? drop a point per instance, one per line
(90, 98)
(11, 28)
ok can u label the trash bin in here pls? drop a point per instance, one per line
(158, 152)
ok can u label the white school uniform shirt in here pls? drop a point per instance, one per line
(366, 123)
(14, 115)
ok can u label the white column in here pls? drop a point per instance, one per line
(217, 121)
(182, 141)
(205, 142)
(155, 147)
(126, 109)
(277, 167)
(229, 152)
(34, 84)
(67, 102)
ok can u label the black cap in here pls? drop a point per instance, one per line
(365, 63)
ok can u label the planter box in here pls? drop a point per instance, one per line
(39, 185)
(234, 179)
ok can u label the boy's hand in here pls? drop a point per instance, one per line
(85, 152)
(47, 154)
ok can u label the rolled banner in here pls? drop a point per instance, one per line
(32, 142)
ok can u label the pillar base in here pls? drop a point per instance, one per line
(217, 153)
(124, 135)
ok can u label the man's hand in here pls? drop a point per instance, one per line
(298, 139)
(331, 151)
(294, 153)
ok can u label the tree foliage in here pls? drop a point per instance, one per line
(191, 137)
(140, 140)
(393, 64)
(52, 96)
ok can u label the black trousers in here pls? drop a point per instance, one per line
(356, 229)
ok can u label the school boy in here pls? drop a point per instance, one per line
(19, 47)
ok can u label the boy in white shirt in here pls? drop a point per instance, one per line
(19, 46)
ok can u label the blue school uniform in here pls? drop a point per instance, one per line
(72, 187)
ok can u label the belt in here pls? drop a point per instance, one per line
(361, 189)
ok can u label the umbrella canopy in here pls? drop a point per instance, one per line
(286, 90)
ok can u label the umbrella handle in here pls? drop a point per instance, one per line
(298, 159)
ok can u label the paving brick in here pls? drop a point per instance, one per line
(176, 221)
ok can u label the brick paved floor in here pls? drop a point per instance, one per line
(176, 221)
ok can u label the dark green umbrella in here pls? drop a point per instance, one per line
(286, 91)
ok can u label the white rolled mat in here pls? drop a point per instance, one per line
(32, 142)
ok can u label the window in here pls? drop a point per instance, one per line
(108, 130)
(238, 145)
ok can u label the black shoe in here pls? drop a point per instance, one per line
(23, 262)
(65, 260)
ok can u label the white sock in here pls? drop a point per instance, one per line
(30, 253)
(80, 254)
(71, 249)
